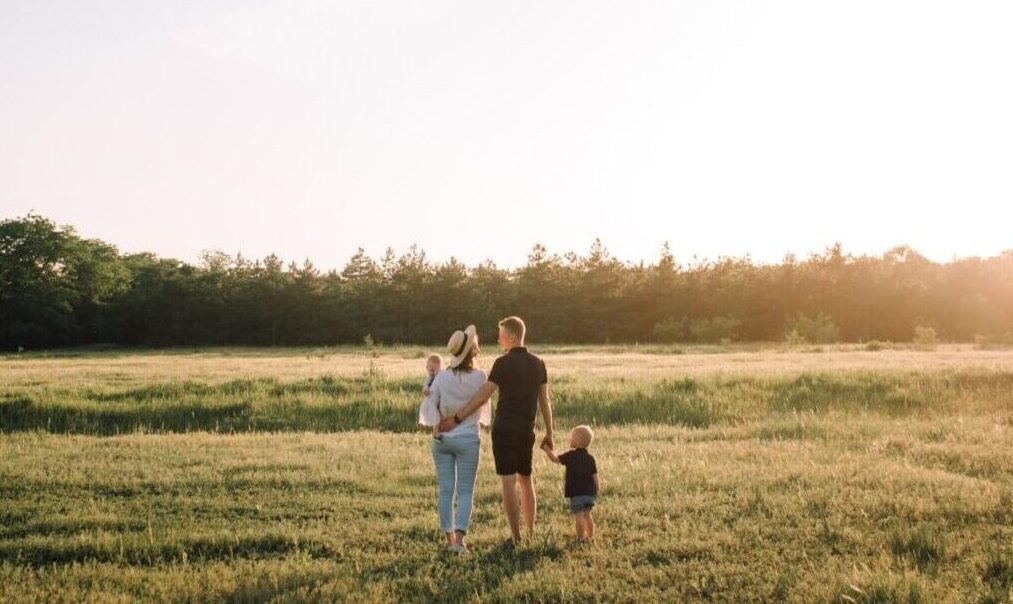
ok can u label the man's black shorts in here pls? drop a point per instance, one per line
(512, 451)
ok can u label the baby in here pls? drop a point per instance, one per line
(581, 479)
(433, 365)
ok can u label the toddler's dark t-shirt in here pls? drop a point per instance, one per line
(580, 468)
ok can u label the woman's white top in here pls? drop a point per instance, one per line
(449, 393)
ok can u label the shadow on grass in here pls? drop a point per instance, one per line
(69, 528)
(24, 414)
(448, 577)
(158, 409)
(136, 549)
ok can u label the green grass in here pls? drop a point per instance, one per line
(684, 513)
(819, 486)
(331, 403)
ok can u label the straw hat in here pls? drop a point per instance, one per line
(460, 345)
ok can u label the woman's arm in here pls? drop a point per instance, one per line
(476, 401)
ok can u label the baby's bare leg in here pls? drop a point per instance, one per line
(579, 525)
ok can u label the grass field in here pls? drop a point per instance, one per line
(740, 473)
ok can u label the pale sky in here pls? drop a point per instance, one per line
(475, 129)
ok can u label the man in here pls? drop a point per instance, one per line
(522, 382)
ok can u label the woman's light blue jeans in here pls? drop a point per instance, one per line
(456, 459)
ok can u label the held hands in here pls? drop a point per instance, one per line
(547, 441)
(547, 447)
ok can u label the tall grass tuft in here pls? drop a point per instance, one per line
(924, 547)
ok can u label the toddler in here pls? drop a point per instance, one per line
(581, 479)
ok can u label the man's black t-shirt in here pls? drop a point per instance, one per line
(580, 468)
(519, 376)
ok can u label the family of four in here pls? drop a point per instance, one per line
(457, 401)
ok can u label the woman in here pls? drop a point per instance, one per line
(455, 452)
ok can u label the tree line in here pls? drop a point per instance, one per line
(58, 289)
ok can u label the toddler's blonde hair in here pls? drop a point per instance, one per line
(582, 436)
(435, 358)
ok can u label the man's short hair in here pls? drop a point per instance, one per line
(515, 327)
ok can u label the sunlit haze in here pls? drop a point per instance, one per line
(475, 129)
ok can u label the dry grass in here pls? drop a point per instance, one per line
(212, 366)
